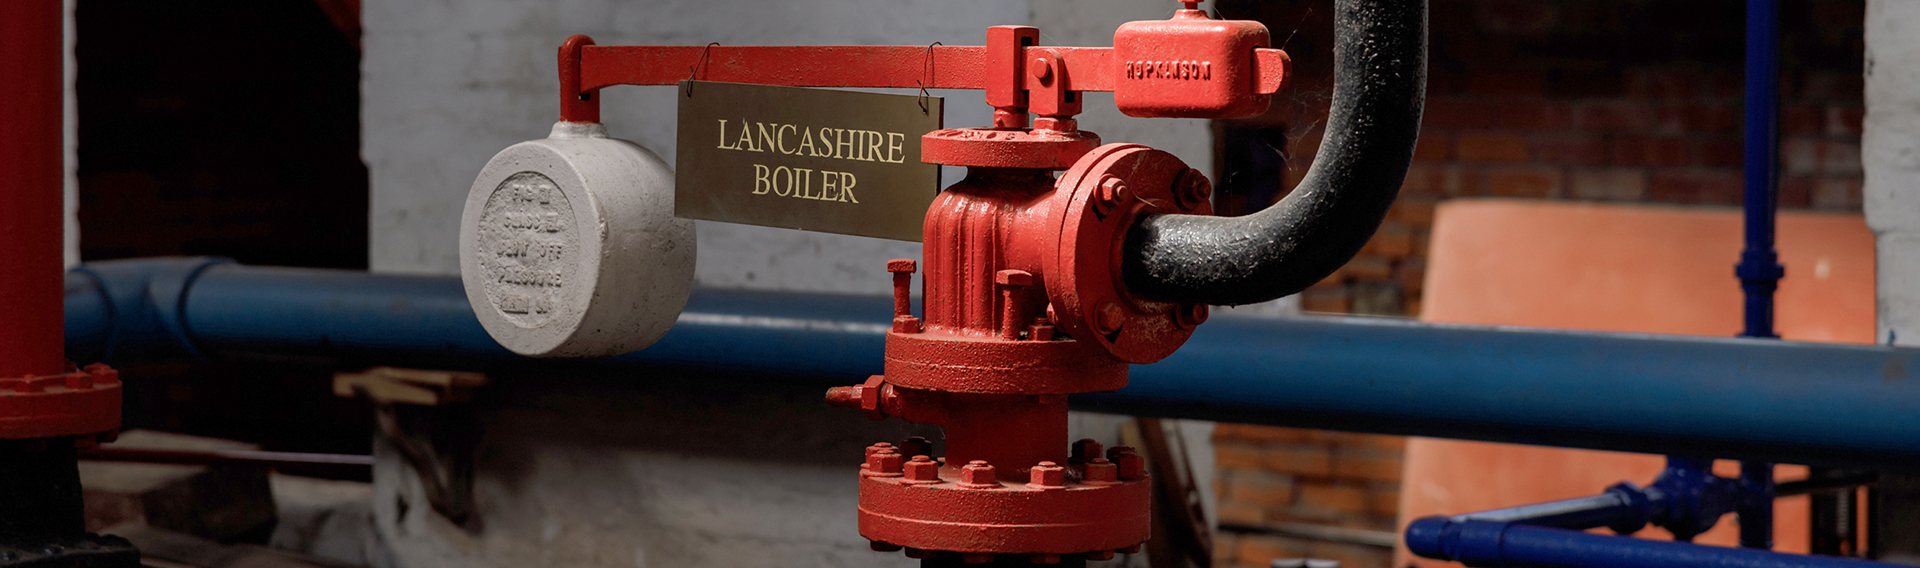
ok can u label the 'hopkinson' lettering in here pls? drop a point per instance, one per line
(1186, 70)
(822, 142)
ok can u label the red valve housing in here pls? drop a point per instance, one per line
(1190, 66)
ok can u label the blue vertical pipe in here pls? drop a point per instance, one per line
(1759, 269)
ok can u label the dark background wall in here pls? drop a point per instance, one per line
(221, 128)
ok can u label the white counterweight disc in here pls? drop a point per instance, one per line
(569, 246)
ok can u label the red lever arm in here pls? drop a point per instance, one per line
(587, 68)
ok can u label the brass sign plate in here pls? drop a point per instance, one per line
(797, 158)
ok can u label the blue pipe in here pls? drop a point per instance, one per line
(1759, 269)
(1711, 397)
(1491, 543)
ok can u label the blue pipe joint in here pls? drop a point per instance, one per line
(1688, 499)
(134, 310)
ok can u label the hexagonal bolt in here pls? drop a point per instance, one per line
(976, 558)
(916, 446)
(1109, 316)
(1113, 192)
(1043, 559)
(1099, 470)
(978, 474)
(1101, 555)
(1012, 284)
(1131, 466)
(923, 470)
(885, 463)
(883, 546)
(920, 553)
(1085, 449)
(902, 269)
(879, 447)
(906, 324)
(1040, 68)
(1047, 475)
(1192, 188)
(1189, 316)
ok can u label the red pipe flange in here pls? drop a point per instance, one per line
(79, 402)
(1106, 192)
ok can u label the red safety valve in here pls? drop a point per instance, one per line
(1190, 66)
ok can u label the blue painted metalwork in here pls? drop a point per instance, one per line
(1492, 543)
(1759, 269)
(1709, 397)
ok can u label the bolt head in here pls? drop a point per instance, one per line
(923, 469)
(1189, 316)
(898, 265)
(979, 474)
(1085, 449)
(906, 324)
(885, 463)
(1047, 475)
(1109, 316)
(1011, 277)
(1099, 470)
(882, 546)
(880, 447)
(1129, 463)
(920, 553)
(1101, 555)
(1113, 191)
(1192, 188)
(1040, 68)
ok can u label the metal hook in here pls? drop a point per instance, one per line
(695, 68)
(926, 70)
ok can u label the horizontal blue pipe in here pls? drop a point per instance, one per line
(1489, 543)
(1708, 397)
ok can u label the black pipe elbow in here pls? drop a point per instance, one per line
(1379, 87)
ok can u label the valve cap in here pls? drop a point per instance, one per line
(569, 246)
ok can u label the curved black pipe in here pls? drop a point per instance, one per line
(1380, 80)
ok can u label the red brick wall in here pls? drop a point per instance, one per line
(1621, 101)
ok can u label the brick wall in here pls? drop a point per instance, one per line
(1619, 101)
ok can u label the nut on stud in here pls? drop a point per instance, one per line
(920, 553)
(1189, 316)
(1085, 449)
(1047, 475)
(884, 463)
(1100, 472)
(883, 546)
(977, 474)
(1128, 462)
(922, 471)
(1101, 555)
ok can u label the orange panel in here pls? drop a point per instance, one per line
(1635, 268)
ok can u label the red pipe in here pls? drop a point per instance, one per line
(32, 180)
